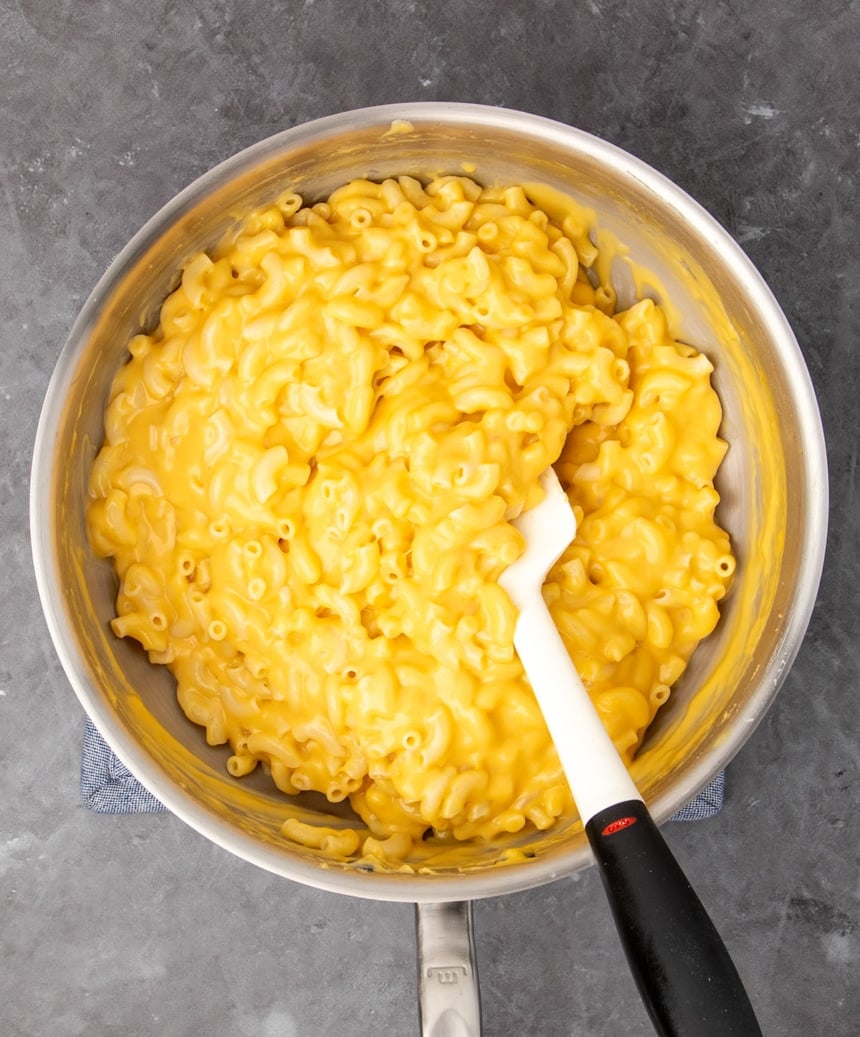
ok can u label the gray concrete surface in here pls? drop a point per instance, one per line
(136, 925)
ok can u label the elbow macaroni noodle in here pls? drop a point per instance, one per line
(306, 484)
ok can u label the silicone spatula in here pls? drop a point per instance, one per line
(685, 976)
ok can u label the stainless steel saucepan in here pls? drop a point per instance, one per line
(773, 487)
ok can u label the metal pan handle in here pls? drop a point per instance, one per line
(449, 1002)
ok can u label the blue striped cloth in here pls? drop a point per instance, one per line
(109, 787)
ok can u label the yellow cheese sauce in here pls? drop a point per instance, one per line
(306, 488)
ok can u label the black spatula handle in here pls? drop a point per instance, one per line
(684, 973)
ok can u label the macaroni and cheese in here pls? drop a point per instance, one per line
(306, 487)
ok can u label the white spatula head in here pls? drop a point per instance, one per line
(548, 528)
(597, 776)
